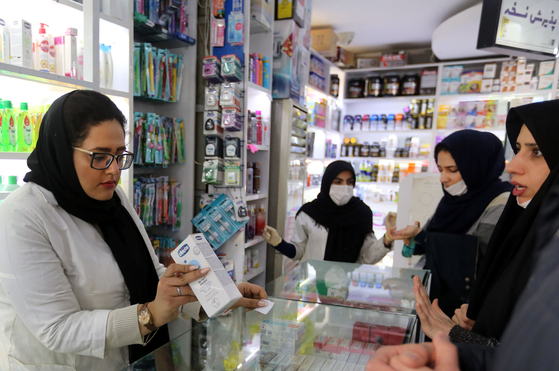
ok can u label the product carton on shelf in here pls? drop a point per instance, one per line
(216, 291)
(291, 62)
(291, 9)
(343, 58)
(21, 44)
(324, 41)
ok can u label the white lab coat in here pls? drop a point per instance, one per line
(310, 239)
(61, 289)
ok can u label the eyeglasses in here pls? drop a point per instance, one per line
(102, 160)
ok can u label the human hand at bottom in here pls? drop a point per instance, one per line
(440, 355)
(432, 318)
(252, 296)
(461, 318)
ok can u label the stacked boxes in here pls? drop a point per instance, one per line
(281, 336)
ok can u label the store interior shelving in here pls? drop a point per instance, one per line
(184, 108)
(387, 105)
(257, 39)
(22, 84)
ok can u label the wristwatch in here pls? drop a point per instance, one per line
(144, 317)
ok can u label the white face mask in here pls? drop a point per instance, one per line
(523, 204)
(341, 194)
(457, 189)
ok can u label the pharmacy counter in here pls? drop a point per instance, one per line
(336, 331)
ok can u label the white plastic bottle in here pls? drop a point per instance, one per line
(42, 50)
(255, 258)
(102, 67)
(12, 184)
(52, 55)
(108, 67)
(249, 259)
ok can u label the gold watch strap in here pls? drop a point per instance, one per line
(150, 326)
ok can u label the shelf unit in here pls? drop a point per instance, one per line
(39, 88)
(257, 39)
(387, 105)
(184, 108)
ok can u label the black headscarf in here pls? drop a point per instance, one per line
(506, 267)
(52, 167)
(480, 159)
(348, 225)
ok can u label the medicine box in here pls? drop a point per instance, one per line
(216, 291)
(21, 45)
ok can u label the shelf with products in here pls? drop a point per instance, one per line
(78, 30)
(254, 272)
(251, 97)
(386, 98)
(256, 240)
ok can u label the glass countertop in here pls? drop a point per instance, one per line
(346, 284)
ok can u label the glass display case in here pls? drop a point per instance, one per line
(304, 330)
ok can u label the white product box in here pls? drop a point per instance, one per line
(489, 70)
(318, 364)
(216, 291)
(486, 85)
(4, 42)
(21, 44)
(329, 365)
(364, 359)
(545, 82)
(349, 367)
(546, 68)
(354, 358)
(71, 54)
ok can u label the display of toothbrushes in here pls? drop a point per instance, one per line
(158, 201)
(216, 222)
(157, 73)
(158, 141)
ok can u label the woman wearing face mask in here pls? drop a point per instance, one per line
(80, 285)
(507, 265)
(455, 238)
(336, 226)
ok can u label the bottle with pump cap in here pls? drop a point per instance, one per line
(42, 50)
(260, 221)
(24, 129)
(52, 55)
(266, 73)
(251, 225)
(9, 128)
(12, 184)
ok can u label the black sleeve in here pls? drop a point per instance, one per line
(459, 335)
(286, 249)
(475, 357)
(420, 243)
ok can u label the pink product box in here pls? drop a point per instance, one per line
(332, 345)
(379, 334)
(361, 331)
(344, 345)
(320, 341)
(396, 335)
(357, 346)
(370, 349)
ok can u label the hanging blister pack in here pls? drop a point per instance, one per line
(216, 221)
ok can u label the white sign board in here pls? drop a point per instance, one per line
(529, 24)
(418, 198)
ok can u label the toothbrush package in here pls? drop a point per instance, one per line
(217, 221)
